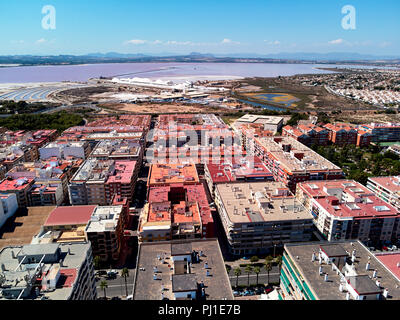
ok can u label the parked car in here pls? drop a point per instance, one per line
(384, 248)
(101, 273)
(236, 293)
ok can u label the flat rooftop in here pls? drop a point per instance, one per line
(116, 149)
(104, 219)
(293, 156)
(63, 144)
(360, 201)
(217, 286)
(23, 226)
(72, 215)
(391, 184)
(252, 118)
(230, 171)
(301, 254)
(94, 170)
(123, 172)
(115, 135)
(260, 202)
(391, 261)
(172, 173)
(72, 255)
(10, 184)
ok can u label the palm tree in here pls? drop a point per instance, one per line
(125, 274)
(279, 262)
(257, 270)
(104, 286)
(237, 272)
(268, 267)
(248, 270)
(254, 259)
(268, 259)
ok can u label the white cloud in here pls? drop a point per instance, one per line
(179, 43)
(40, 41)
(229, 41)
(18, 41)
(273, 43)
(136, 41)
(337, 41)
(385, 44)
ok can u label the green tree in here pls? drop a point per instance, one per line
(268, 268)
(238, 273)
(279, 263)
(257, 270)
(125, 274)
(248, 270)
(254, 259)
(104, 286)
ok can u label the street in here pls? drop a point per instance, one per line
(262, 277)
(116, 287)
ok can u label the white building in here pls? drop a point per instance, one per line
(8, 207)
(79, 149)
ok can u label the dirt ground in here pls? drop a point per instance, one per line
(144, 108)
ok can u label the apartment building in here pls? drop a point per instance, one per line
(48, 272)
(20, 187)
(181, 270)
(118, 150)
(258, 216)
(383, 132)
(291, 162)
(176, 212)
(122, 180)
(346, 134)
(269, 123)
(65, 225)
(345, 209)
(335, 271)
(308, 134)
(250, 169)
(167, 174)
(386, 188)
(45, 194)
(47, 175)
(87, 186)
(8, 207)
(11, 155)
(65, 150)
(105, 231)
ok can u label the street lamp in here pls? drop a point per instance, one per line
(274, 250)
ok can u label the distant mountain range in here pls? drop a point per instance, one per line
(115, 57)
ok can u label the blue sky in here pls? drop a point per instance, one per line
(160, 26)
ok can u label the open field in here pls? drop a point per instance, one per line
(308, 98)
(145, 108)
